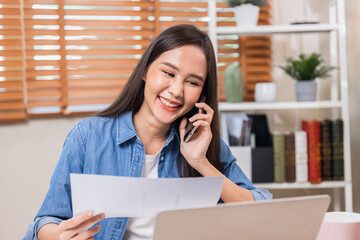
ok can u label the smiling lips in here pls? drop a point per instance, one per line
(169, 105)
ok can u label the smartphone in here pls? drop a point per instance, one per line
(190, 129)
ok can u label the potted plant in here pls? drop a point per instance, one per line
(304, 70)
(246, 11)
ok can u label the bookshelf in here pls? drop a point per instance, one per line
(307, 185)
(224, 106)
(338, 102)
(271, 29)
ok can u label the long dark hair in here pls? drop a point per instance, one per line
(132, 95)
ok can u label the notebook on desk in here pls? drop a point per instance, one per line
(297, 218)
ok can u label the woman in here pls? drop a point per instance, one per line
(142, 135)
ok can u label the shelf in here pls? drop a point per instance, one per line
(225, 106)
(278, 29)
(307, 185)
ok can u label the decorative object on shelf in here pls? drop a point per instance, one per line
(304, 19)
(234, 83)
(301, 157)
(305, 69)
(312, 129)
(246, 11)
(326, 149)
(278, 139)
(337, 143)
(340, 225)
(265, 92)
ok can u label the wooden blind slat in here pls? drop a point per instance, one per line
(100, 71)
(88, 101)
(38, 63)
(11, 84)
(183, 14)
(175, 22)
(10, 96)
(11, 116)
(91, 83)
(105, 52)
(106, 42)
(111, 32)
(40, 93)
(37, 73)
(31, 84)
(108, 13)
(47, 103)
(11, 74)
(8, 106)
(184, 5)
(99, 92)
(108, 3)
(111, 23)
(10, 22)
(103, 62)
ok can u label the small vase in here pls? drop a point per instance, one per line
(265, 92)
(234, 83)
(246, 15)
(305, 91)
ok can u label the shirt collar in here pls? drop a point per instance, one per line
(126, 130)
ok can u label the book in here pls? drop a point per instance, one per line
(262, 165)
(290, 169)
(301, 156)
(261, 130)
(338, 150)
(223, 128)
(312, 128)
(279, 157)
(326, 149)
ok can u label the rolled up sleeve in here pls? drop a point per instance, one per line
(57, 203)
(261, 194)
(34, 227)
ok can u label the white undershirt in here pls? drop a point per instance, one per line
(143, 228)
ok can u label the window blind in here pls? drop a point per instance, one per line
(74, 56)
(12, 62)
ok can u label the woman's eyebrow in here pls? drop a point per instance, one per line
(177, 69)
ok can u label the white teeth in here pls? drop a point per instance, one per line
(167, 103)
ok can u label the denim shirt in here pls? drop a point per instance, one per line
(110, 146)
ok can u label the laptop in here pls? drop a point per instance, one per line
(297, 218)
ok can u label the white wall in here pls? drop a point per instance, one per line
(28, 154)
(29, 151)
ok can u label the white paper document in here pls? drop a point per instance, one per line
(141, 197)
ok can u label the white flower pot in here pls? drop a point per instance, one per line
(265, 92)
(305, 91)
(246, 15)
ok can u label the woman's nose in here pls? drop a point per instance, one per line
(176, 88)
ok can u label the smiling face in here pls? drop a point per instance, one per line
(173, 84)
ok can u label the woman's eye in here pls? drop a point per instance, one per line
(169, 74)
(193, 83)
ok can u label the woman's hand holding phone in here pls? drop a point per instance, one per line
(194, 151)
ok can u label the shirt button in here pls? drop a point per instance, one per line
(162, 158)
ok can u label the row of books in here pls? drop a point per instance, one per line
(314, 154)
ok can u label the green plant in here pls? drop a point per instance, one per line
(234, 3)
(307, 67)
